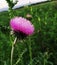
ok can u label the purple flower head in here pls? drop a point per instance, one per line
(23, 25)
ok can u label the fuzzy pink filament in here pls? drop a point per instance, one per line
(23, 25)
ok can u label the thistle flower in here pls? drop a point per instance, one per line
(23, 25)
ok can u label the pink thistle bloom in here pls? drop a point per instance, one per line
(23, 25)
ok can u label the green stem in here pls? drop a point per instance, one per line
(31, 10)
(30, 51)
(12, 50)
(22, 63)
(45, 58)
(21, 55)
(44, 62)
(10, 11)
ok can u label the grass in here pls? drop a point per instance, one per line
(44, 39)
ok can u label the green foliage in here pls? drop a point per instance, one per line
(44, 39)
(10, 3)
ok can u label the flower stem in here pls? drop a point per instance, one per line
(44, 62)
(11, 13)
(12, 50)
(21, 55)
(30, 51)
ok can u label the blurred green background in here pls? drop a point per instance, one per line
(44, 39)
